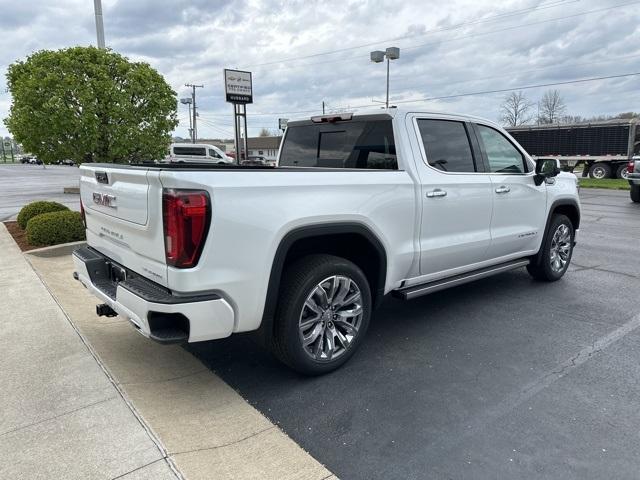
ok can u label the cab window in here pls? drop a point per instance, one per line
(502, 155)
(446, 144)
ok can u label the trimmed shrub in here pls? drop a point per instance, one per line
(36, 208)
(55, 227)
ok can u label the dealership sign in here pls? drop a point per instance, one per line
(237, 86)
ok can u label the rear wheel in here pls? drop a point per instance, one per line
(600, 170)
(323, 314)
(622, 172)
(635, 193)
(553, 259)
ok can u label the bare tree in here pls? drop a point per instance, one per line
(515, 109)
(265, 132)
(551, 107)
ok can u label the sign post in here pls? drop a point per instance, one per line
(282, 123)
(238, 89)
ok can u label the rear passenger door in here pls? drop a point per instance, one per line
(519, 205)
(457, 198)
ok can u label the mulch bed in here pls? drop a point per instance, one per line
(19, 235)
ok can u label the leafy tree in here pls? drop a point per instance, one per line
(515, 109)
(89, 104)
(551, 107)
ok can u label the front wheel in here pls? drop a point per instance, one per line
(553, 259)
(323, 314)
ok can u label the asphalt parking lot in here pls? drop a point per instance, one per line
(502, 378)
(21, 184)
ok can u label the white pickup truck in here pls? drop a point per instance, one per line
(360, 206)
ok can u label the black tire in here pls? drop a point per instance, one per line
(635, 193)
(600, 170)
(621, 171)
(299, 282)
(540, 267)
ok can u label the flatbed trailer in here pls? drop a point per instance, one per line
(604, 149)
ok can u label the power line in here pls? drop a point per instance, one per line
(525, 87)
(468, 94)
(503, 75)
(543, 6)
(472, 35)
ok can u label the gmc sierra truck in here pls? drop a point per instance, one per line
(359, 206)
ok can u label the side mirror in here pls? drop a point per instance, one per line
(546, 168)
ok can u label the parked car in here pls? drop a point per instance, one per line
(197, 153)
(360, 206)
(255, 160)
(35, 161)
(67, 162)
(25, 159)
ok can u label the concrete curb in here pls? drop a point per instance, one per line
(56, 250)
(74, 190)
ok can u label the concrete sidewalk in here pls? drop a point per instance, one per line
(202, 427)
(61, 415)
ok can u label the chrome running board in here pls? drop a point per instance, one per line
(426, 288)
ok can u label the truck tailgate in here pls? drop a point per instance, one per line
(123, 208)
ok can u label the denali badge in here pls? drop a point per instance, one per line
(102, 177)
(104, 199)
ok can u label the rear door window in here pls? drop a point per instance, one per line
(447, 146)
(192, 151)
(352, 144)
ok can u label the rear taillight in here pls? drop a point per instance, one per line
(186, 215)
(630, 166)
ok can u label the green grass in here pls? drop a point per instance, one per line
(610, 183)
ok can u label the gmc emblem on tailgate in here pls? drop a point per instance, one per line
(104, 199)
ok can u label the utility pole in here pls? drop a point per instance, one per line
(194, 128)
(97, 7)
(323, 107)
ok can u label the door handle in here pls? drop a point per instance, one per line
(503, 189)
(436, 193)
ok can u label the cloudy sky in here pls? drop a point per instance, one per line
(304, 52)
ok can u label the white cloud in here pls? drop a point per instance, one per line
(502, 45)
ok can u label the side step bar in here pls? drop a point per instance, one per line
(414, 291)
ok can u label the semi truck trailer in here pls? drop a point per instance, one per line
(604, 149)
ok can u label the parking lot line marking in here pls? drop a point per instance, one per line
(533, 388)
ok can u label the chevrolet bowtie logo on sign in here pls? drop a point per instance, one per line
(104, 199)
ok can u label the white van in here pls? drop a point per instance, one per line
(197, 152)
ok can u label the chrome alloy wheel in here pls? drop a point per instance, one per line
(331, 317)
(560, 248)
(599, 172)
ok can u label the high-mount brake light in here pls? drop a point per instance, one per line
(186, 216)
(332, 118)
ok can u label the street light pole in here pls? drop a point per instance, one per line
(187, 101)
(97, 8)
(378, 56)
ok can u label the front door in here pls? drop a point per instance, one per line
(519, 205)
